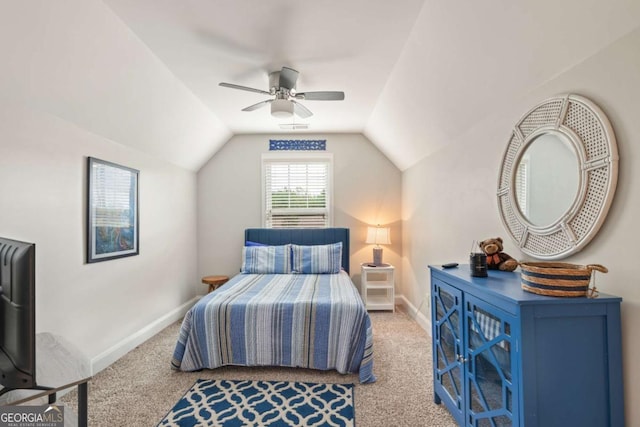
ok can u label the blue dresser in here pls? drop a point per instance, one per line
(503, 356)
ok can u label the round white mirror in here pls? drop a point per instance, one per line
(547, 179)
(558, 177)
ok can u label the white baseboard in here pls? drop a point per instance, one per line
(114, 353)
(412, 311)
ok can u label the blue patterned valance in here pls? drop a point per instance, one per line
(297, 144)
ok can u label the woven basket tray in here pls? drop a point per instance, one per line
(559, 279)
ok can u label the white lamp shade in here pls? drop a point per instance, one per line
(281, 108)
(378, 236)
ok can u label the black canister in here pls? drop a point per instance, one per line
(478, 264)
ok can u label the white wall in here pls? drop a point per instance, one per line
(449, 198)
(366, 191)
(43, 163)
(76, 82)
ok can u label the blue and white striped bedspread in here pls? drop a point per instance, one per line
(297, 320)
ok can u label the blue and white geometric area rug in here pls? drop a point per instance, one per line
(263, 403)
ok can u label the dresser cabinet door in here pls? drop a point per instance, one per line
(446, 309)
(490, 365)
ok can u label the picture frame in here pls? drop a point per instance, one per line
(112, 211)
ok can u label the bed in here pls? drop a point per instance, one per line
(299, 309)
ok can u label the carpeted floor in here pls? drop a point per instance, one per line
(140, 388)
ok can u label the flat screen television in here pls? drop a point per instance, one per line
(17, 315)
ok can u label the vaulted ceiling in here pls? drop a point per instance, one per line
(335, 45)
(416, 73)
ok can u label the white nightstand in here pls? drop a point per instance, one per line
(377, 287)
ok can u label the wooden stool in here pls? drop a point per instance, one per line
(214, 282)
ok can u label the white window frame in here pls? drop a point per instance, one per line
(290, 157)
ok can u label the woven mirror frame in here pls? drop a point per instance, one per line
(588, 130)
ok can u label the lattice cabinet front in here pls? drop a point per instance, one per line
(489, 364)
(448, 347)
(506, 357)
(473, 358)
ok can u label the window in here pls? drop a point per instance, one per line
(297, 190)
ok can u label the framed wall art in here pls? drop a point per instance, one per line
(112, 211)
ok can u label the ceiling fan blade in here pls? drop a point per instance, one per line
(258, 105)
(321, 96)
(288, 78)
(301, 110)
(249, 89)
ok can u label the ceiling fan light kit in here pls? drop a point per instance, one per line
(281, 108)
(283, 88)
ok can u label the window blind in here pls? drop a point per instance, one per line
(112, 193)
(297, 194)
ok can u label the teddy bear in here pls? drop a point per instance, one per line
(496, 259)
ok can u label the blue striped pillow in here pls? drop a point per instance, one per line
(317, 259)
(266, 259)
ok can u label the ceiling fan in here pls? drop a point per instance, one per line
(282, 86)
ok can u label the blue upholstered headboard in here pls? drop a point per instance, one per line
(302, 236)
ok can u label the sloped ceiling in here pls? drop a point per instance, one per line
(349, 46)
(416, 73)
(76, 60)
(467, 59)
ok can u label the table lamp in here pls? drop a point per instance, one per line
(378, 236)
